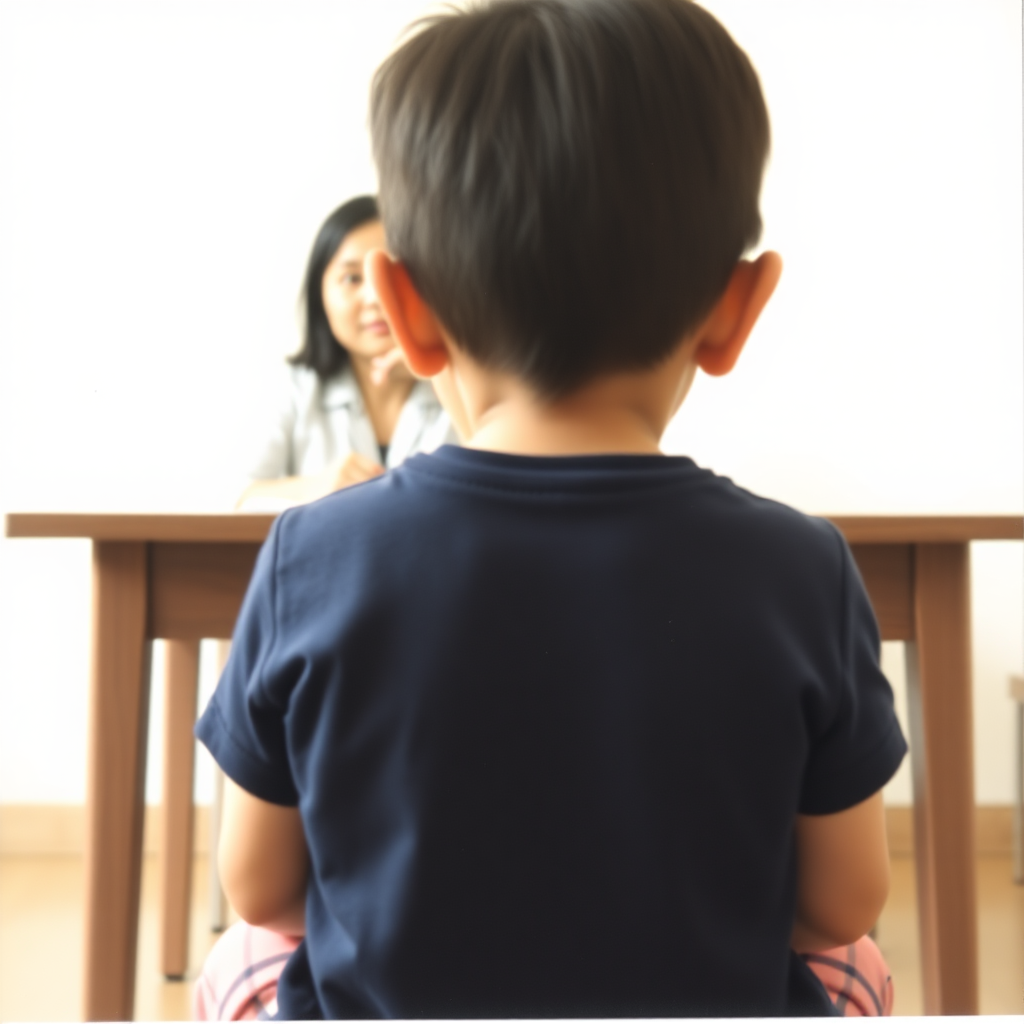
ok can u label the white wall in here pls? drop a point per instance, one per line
(164, 166)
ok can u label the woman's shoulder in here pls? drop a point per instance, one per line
(298, 379)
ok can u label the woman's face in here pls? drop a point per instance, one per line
(353, 312)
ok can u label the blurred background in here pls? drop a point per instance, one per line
(164, 166)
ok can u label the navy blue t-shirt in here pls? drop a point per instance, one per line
(549, 722)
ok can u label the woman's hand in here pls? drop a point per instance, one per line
(390, 365)
(353, 469)
(285, 491)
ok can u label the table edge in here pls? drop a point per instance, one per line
(147, 527)
(212, 527)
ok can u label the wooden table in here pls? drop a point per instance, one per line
(182, 578)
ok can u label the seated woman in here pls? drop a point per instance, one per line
(350, 408)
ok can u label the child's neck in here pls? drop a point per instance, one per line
(624, 413)
(525, 429)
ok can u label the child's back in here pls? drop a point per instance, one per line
(550, 722)
(550, 710)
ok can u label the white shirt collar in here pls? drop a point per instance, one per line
(342, 391)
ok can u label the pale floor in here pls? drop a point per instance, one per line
(41, 953)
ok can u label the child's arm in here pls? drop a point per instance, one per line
(263, 861)
(842, 875)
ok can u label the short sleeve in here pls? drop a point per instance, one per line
(862, 745)
(243, 725)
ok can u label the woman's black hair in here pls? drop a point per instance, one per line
(320, 350)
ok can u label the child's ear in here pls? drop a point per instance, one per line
(412, 321)
(725, 331)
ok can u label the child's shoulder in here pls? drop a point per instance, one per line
(779, 553)
(744, 512)
(667, 499)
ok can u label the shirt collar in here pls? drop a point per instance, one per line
(341, 391)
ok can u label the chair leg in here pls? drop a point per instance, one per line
(1018, 811)
(218, 902)
(180, 695)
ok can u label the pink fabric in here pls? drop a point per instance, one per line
(239, 979)
(856, 977)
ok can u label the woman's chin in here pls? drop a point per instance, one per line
(367, 349)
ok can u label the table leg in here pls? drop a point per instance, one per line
(118, 720)
(940, 712)
(181, 690)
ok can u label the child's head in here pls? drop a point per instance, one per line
(570, 184)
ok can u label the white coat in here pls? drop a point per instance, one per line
(317, 424)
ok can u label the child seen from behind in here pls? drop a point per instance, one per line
(555, 725)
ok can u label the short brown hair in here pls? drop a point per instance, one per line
(569, 182)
